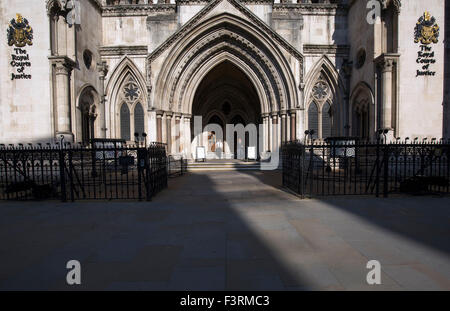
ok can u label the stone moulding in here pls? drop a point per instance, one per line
(326, 49)
(123, 50)
(137, 9)
(311, 8)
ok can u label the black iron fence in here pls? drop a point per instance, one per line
(176, 167)
(104, 171)
(374, 168)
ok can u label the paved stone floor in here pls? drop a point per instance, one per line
(227, 231)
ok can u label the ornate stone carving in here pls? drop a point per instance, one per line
(341, 50)
(63, 65)
(311, 8)
(102, 69)
(321, 90)
(123, 50)
(258, 22)
(240, 47)
(131, 91)
(137, 9)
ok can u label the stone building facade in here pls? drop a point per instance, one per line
(112, 68)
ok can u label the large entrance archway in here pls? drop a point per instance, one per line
(226, 96)
(225, 69)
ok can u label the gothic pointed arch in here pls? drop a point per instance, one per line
(87, 114)
(224, 37)
(125, 86)
(325, 87)
(362, 111)
(325, 68)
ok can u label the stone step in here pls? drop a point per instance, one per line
(222, 166)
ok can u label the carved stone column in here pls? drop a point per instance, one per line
(103, 71)
(275, 132)
(187, 136)
(159, 115)
(263, 133)
(388, 93)
(283, 126)
(61, 85)
(269, 133)
(293, 115)
(169, 131)
(177, 132)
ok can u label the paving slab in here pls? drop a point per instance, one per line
(227, 231)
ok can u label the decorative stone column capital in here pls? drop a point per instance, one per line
(387, 65)
(293, 111)
(386, 61)
(169, 114)
(159, 113)
(63, 65)
(102, 68)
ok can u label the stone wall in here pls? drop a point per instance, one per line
(420, 98)
(25, 105)
(89, 38)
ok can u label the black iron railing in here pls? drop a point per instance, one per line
(176, 167)
(74, 172)
(361, 167)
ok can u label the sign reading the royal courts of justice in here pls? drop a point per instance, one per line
(20, 34)
(426, 33)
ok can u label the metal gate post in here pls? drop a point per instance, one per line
(62, 176)
(72, 197)
(386, 170)
(377, 178)
(140, 164)
(302, 163)
(147, 175)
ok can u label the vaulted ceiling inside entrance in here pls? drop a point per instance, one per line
(228, 92)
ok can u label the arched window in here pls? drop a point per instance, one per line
(131, 96)
(139, 120)
(320, 117)
(327, 120)
(313, 119)
(125, 122)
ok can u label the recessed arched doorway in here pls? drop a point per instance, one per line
(87, 116)
(226, 96)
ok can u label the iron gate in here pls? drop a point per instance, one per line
(361, 168)
(103, 171)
